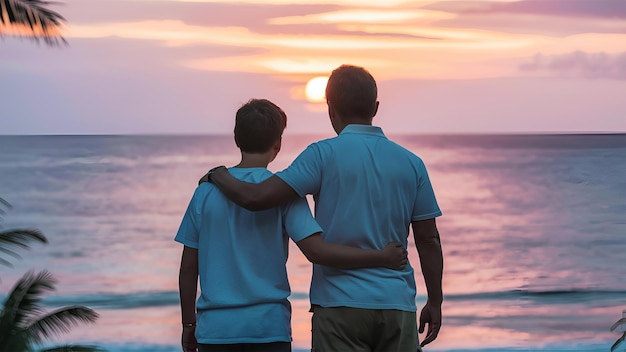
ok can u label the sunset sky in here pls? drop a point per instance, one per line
(155, 66)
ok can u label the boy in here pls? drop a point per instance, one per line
(240, 256)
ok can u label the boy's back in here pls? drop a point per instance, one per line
(241, 261)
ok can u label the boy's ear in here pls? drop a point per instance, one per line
(236, 142)
(278, 145)
(275, 149)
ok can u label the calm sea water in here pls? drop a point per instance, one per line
(534, 234)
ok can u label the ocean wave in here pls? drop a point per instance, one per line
(116, 300)
(139, 347)
(563, 347)
(548, 296)
(170, 298)
(128, 300)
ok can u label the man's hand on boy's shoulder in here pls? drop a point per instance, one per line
(207, 176)
(203, 179)
(394, 256)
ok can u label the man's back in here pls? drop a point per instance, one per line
(241, 262)
(367, 191)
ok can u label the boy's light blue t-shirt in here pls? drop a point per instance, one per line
(367, 190)
(241, 259)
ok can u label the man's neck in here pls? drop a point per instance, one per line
(357, 121)
(347, 122)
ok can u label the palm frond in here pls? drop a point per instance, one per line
(32, 19)
(10, 240)
(3, 204)
(618, 342)
(60, 322)
(618, 324)
(21, 322)
(22, 304)
(74, 348)
(10, 342)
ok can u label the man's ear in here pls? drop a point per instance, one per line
(332, 113)
(376, 108)
(331, 109)
(236, 142)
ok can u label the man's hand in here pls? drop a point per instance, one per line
(203, 179)
(431, 315)
(394, 256)
(188, 339)
(207, 176)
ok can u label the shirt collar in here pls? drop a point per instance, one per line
(363, 129)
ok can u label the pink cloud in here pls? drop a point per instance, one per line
(548, 17)
(194, 13)
(568, 8)
(580, 64)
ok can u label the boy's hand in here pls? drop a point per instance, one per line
(188, 339)
(394, 256)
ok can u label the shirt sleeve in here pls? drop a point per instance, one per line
(298, 220)
(188, 231)
(304, 175)
(425, 206)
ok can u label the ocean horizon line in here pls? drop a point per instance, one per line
(287, 133)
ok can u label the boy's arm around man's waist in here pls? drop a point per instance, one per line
(316, 250)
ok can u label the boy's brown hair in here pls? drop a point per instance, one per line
(259, 124)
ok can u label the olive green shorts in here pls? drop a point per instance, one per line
(342, 329)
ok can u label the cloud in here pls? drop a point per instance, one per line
(546, 17)
(567, 8)
(580, 64)
(193, 13)
(362, 16)
(372, 3)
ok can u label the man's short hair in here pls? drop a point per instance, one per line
(352, 92)
(259, 124)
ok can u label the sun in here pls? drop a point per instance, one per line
(316, 89)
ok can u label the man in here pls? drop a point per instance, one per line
(240, 256)
(367, 191)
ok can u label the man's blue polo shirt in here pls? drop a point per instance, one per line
(367, 190)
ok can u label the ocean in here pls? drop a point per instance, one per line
(533, 233)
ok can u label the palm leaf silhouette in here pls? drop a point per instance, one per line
(12, 240)
(22, 323)
(31, 18)
(73, 348)
(23, 302)
(618, 342)
(60, 322)
(17, 239)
